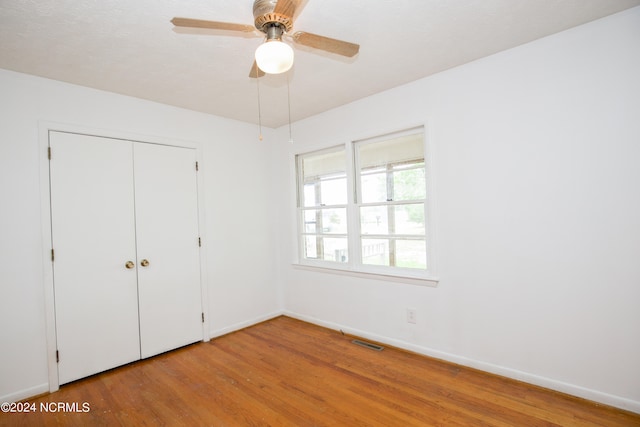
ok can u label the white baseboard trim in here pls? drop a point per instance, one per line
(26, 393)
(44, 388)
(244, 324)
(574, 390)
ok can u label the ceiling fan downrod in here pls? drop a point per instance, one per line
(274, 31)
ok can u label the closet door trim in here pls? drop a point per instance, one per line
(44, 127)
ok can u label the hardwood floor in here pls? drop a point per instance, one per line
(284, 372)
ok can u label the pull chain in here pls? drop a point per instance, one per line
(259, 110)
(289, 104)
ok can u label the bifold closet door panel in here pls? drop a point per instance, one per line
(167, 246)
(93, 236)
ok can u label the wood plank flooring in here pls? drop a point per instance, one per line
(284, 372)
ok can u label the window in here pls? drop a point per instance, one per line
(363, 206)
(391, 201)
(323, 205)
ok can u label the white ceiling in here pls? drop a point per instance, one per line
(129, 47)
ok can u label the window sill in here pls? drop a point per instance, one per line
(405, 279)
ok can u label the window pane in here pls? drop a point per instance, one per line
(310, 247)
(398, 183)
(326, 192)
(375, 251)
(309, 195)
(326, 248)
(411, 254)
(333, 191)
(409, 219)
(324, 178)
(393, 219)
(373, 187)
(374, 220)
(336, 249)
(325, 221)
(395, 253)
(409, 184)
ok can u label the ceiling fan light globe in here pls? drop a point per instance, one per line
(274, 57)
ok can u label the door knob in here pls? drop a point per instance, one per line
(129, 265)
(144, 263)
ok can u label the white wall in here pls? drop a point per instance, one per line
(538, 214)
(537, 153)
(237, 185)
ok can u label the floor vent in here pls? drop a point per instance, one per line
(368, 345)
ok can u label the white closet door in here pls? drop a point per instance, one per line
(167, 237)
(93, 233)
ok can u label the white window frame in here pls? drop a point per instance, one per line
(301, 208)
(388, 203)
(354, 265)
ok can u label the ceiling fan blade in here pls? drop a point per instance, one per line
(255, 71)
(327, 44)
(288, 7)
(213, 25)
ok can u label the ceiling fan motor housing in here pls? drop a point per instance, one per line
(264, 17)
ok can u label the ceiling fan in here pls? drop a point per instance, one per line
(275, 19)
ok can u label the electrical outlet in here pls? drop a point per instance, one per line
(411, 315)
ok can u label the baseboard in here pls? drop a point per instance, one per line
(44, 388)
(574, 390)
(244, 324)
(26, 393)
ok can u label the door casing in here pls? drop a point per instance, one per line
(44, 127)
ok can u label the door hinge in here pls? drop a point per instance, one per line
(52, 255)
(199, 242)
(202, 317)
(49, 152)
(57, 356)
(197, 167)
